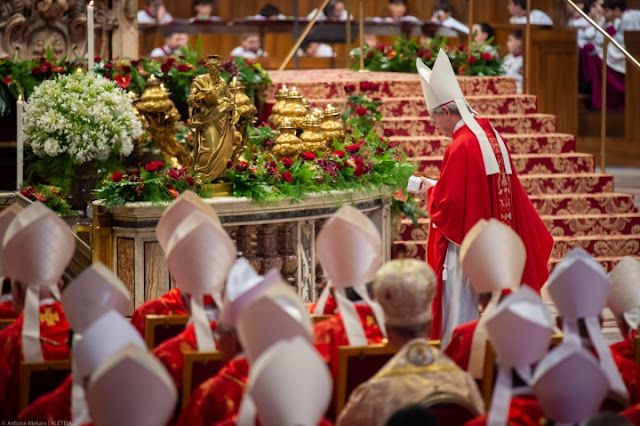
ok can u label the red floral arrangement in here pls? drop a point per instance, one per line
(51, 196)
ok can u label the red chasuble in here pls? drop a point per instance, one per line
(459, 349)
(54, 335)
(219, 397)
(171, 352)
(48, 408)
(632, 414)
(630, 373)
(525, 410)
(330, 308)
(464, 194)
(233, 420)
(6, 310)
(170, 303)
(329, 335)
(624, 348)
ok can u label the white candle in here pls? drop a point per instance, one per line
(90, 41)
(19, 142)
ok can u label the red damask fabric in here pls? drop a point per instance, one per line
(465, 194)
(54, 335)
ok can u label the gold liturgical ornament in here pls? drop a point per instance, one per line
(276, 111)
(211, 116)
(246, 113)
(312, 137)
(332, 125)
(294, 109)
(287, 143)
(160, 116)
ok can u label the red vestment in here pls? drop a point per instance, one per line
(464, 194)
(53, 406)
(6, 310)
(624, 348)
(170, 303)
(171, 352)
(524, 410)
(329, 335)
(459, 349)
(219, 397)
(233, 420)
(330, 307)
(630, 373)
(54, 336)
(632, 414)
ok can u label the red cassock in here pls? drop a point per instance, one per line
(630, 372)
(459, 348)
(54, 335)
(624, 348)
(171, 352)
(219, 397)
(329, 335)
(330, 307)
(170, 303)
(524, 410)
(53, 406)
(6, 310)
(632, 414)
(464, 194)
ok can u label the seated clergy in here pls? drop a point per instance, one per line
(250, 302)
(347, 232)
(520, 331)
(624, 302)
(36, 249)
(405, 289)
(493, 258)
(93, 293)
(579, 287)
(6, 299)
(196, 236)
(175, 301)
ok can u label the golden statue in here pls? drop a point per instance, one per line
(160, 115)
(211, 115)
(246, 115)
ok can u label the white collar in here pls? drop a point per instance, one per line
(458, 126)
(6, 298)
(47, 301)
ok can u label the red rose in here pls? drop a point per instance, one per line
(134, 172)
(310, 156)
(166, 67)
(364, 86)
(108, 66)
(242, 166)
(97, 59)
(174, 174)
(340, 154)
(171, 60)
(229, 164)
(352, 148)
(151, 167)
(189, 180)
(183, 68)
(349, 88)
(361, 110)
(287, 162)
(159, 164)
(462, 47)
(287, 176)
(8, 80)
(471, 60)
(36, 70)
(125, 69)
(388, 132)
(486, 56)
(427, 55)
(116, 177)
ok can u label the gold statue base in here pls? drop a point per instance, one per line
(211, 190)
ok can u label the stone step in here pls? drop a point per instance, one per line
(578, 224)
(519, 124)
(414, 106)
(329, 83)
(597, 245)
(524, 164)
(573, 204)
(537, 184)
(516, 143)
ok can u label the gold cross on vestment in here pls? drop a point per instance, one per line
(50, 317)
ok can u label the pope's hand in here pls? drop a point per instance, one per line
(425, 185)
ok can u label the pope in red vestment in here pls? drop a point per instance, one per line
(171, 303)
(54, 335)
(329, 335)
(218, 398)
(50, 407)
(464, 194)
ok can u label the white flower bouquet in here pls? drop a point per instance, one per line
(81, 117)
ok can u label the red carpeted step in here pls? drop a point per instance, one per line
(517, 144)
(329, 83)
(525, 164)
(415, 106)
(593, 224)
(569, 204)
(598, 245)
(409, 250)
(608, 262)
(421, 126)
(566, 183)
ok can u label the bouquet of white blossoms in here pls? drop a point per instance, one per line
(81, 116)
